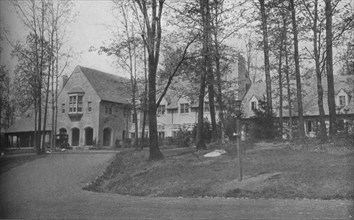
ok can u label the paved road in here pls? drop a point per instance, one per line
(50, 188)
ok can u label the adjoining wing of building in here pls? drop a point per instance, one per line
(344, 98)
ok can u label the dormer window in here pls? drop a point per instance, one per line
(161, 110)
(342, 100)
(184, 108)
(253, 105)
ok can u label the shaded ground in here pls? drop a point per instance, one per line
(51, 188)
(270, 171)
(10, 161)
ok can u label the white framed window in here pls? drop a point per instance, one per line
(75, 104)
(184, 108)
(161, 109)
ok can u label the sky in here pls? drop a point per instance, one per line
(91, 27)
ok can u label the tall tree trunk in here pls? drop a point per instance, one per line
(205, 12)
(153, 42)
(155, 152)
(297, 72)
(56, 84)
(266, 57)
(135, 117)
(52, 137)
(211, 80)
(200, 143)
(145, 98)
(280, 81)
(211, 100)
(329, 68)
(219, 85)
(288, 90)
(218, 72)
(41, 70)
(323, 133)
(46, 107)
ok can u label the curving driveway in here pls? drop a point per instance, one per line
(50, 188)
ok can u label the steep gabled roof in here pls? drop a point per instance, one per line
(108, 87)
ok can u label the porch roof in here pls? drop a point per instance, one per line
(25, 125)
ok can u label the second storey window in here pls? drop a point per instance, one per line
(75, 104)
(161, 110)
(89, 106)
(184, 108)
(342, 100)
(63, 108)
(108, 110)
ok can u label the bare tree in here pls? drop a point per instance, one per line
(266, 55)
(297, 71)
(329, 68)
(317, 27)
(152, 15)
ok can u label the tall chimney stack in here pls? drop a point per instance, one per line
(65, 80)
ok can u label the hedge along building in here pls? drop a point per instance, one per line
(93, 108)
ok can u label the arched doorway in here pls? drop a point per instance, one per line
(89, 136)
(75, 137)
(107, 135)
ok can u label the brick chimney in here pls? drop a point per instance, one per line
(65, 80)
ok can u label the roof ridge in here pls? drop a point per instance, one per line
(111, 74)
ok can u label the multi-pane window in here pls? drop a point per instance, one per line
(89, 106)
(63, 108)
(79, 104)
(184, 108)
(161, 110)
(75, 104)
(342, 100)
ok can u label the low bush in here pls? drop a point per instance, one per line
(182, 139)
(168, 141)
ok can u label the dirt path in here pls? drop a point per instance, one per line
(50, 188)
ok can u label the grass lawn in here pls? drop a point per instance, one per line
(277, 170)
